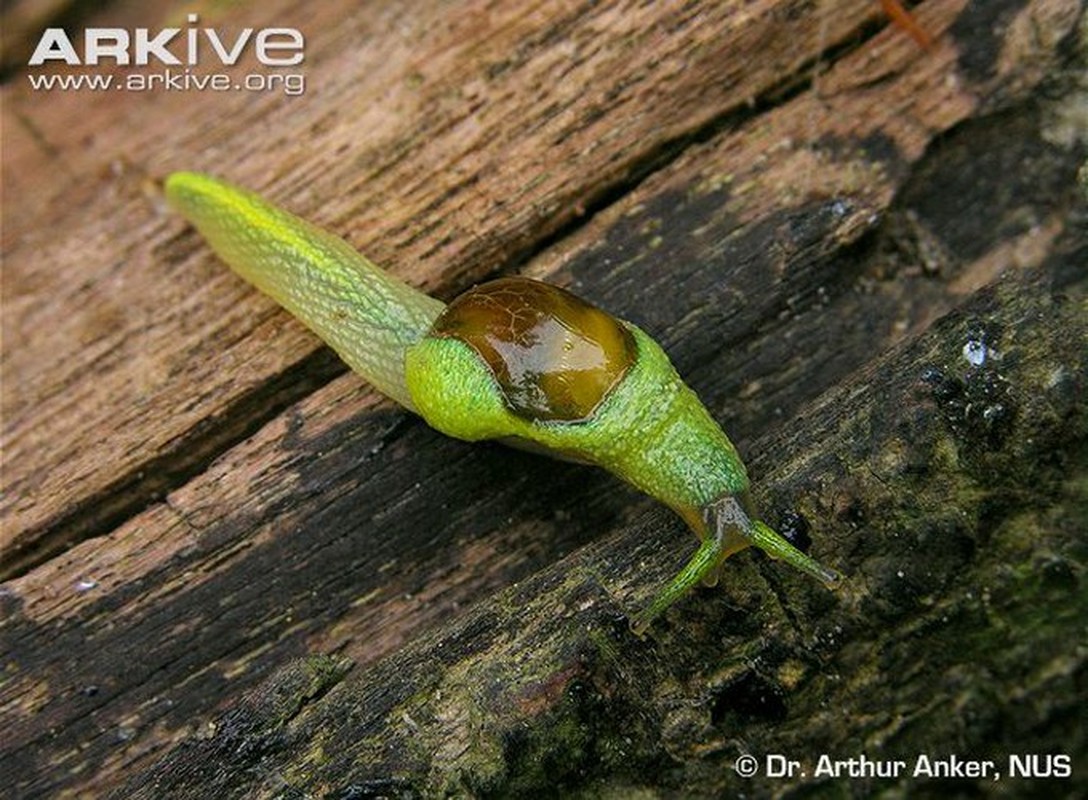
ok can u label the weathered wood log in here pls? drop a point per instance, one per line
(949, 475)
(256, 504)
(449, 143)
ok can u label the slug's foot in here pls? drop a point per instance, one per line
(730, 529)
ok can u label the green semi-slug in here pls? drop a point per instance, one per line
(512, 359)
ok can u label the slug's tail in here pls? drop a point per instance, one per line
(367, 316)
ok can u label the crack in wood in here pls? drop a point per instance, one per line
(190, 455)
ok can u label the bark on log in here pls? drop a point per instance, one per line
(195, 492)
(954, 502)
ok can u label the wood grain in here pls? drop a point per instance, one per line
(406, 147)
(543, 687)
(195, 491)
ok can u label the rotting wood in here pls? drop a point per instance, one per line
(954, 524)
(131, 346)
(278, 547)
(447, 142)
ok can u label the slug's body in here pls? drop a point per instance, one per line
(514, 359)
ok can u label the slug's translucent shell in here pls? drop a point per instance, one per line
(553, 355)
(514, 359)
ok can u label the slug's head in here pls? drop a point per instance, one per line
(727, 525)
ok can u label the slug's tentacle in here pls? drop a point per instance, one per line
(515, 360)
(729, 528)
(706, 559)
(774, 545)
(366, 315)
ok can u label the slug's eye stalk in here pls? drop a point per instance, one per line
(514, 359)
(730, 527)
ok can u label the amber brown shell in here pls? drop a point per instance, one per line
(554, 356)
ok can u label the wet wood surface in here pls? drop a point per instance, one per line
(196, 491)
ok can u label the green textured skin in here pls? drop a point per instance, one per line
(367, 316)
(651, 430)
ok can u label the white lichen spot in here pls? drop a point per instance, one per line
(975, 352)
